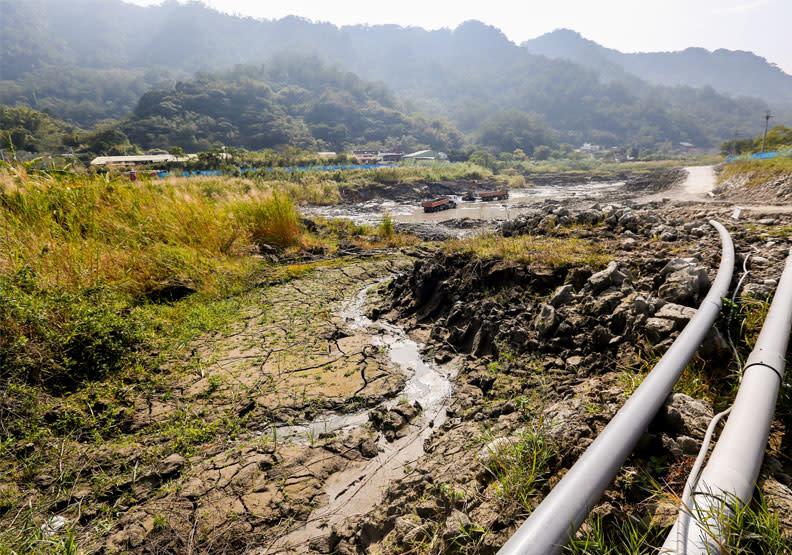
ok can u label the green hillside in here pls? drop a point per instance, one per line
(86, 62)
(292, 101)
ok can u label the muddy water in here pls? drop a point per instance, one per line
(356, 489)
(411, 212)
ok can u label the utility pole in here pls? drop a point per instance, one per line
(767, 120)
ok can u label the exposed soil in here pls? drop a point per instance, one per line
(416, 191)
(422, 190)
(656, 180)
(556, 350)
(321, 420)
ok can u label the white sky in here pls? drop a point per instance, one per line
(760, 26)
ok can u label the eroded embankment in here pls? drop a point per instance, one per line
(756, 182)
(549, 324)
(549, 355)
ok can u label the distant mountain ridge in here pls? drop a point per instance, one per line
(732, 72)
(86, 61)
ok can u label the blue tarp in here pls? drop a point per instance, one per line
(203, 173)
(760, 155)
(289, 169)
(327, 168)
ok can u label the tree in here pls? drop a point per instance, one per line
(509, 130)
(483, 159)
(542, 152)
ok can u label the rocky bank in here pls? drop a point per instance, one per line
(550, 354)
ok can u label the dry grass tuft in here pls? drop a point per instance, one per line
(547, 252)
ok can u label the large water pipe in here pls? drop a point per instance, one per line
(565, 508)
(729, 478)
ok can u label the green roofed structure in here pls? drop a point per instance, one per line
(426, 155)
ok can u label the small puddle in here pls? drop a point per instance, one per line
(357, 488)
(426, 384)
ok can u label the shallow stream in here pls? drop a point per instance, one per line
(370, 212)
(357, 488)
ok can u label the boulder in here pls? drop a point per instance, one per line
(589, 217)
(562, 296)
(611, 275)
(658, 328)
(685, 285)
(455, 525)
(677, 313)
(683, 415)
(482, 341)
(629, 220)
(546, 320)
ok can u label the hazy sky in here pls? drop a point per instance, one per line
(761, 26)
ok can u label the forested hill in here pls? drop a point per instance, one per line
(85, 61)
(734, 72)
(291, 101)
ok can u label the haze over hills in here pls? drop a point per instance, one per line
(734, 72)
(86, 61)
(291, 101)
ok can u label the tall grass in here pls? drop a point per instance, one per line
(519, 466)
(271, 220)
(385, 228)
(85, 231)
(321, 187)
(78, 253)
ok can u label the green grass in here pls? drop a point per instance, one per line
(80, 256)
(542, 251)
(322, 187)
(29, 538)
(751, 529)
(755, 528)
(757, 172)
(519, 467)
(385, 229)
(628, 537)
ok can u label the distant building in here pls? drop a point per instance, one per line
(426, 155)
(618, 154)
(325, 155)
(389, 156)
(689, 148)
(127, 161)
(589, 148)
(365, 156)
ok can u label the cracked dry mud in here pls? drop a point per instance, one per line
(291, 355)
(535, 348)
(289, 359)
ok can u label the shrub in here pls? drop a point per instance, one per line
(386, 226)
(59, 338)
(272, 220)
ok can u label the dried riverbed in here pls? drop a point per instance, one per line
(410, 211)
(394, 404)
